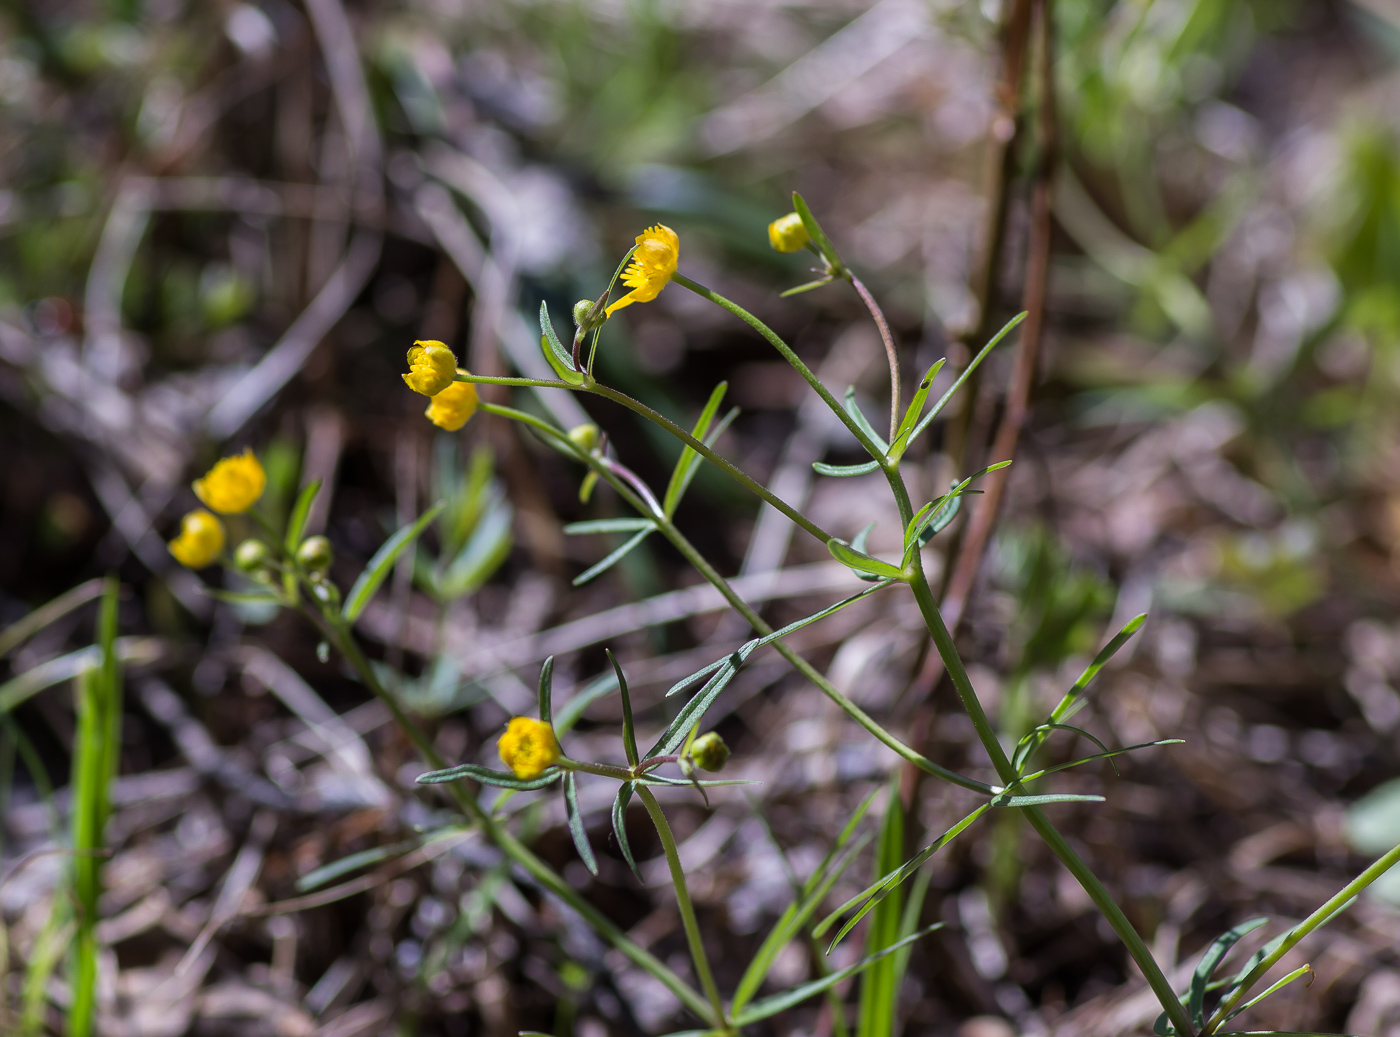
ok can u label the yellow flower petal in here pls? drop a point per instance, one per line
(528, 747)
(788, 233)
(432, 367)
(233, 485)
(453, 407)
(652, 266)
(201, 540)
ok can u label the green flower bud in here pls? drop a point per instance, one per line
(586, 436)
(582, 309)
(251, 555)
(709, 752)
(315, 554)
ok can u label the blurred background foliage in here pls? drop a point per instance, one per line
(1214, 432)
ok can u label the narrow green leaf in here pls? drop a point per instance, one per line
(382, 564)
(806, 287)
(877, 891)
(301, 511)
(686, 682)
(1291, 977)
(546, 689)
(572, 710)
(616, 525)
(814, 891)
(619, 822)
(689, 459)
(576, 829)
(860, 562)
(19, 688)
(914, 410)
(501, 779)
(561, 359)
(842, 471)
(858, 416)
(1040, 801)
(629, 732)
(818, 236)
(355, 861)
(483, 553)
(779, 1002)
(858, 542)
(962, 378)
(1111, 754)
(617, 555)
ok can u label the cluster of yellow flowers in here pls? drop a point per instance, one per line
(432, 371)
(231, 487)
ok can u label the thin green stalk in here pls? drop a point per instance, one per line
(603, 769)
(943, 641)
(1318, 918)
(688, 919)
(337, 634)
(891, 354)
(788, 355)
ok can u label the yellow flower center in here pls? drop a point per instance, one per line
(652, 266)
(528, 747)
(233, 485)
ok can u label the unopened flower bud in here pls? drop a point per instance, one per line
(788, 233)
(251, 555)
(709, 752)
(582, 309)
(432, 367)
(315, 554)
(586, 436)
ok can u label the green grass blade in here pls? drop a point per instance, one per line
(17, 633)
(1291, 977)
(382, 564)
(878, 995)
(576, 828)
(353, 862)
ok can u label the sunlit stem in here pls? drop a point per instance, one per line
(792, 358)
(891, 354)
(1107, 906)
(688, 919)
(1318, 918)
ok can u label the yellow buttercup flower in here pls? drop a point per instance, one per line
(453, 407)
(201, 540)
(788, 233)
(528, 747)
(652, 266)
(432, 367)
(232, 485)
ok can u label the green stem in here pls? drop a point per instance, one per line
(1102, 899)
(688, 919)
(727, 467)
(1318, 918)
(604, 769)
(788, 355)
(336, 632)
